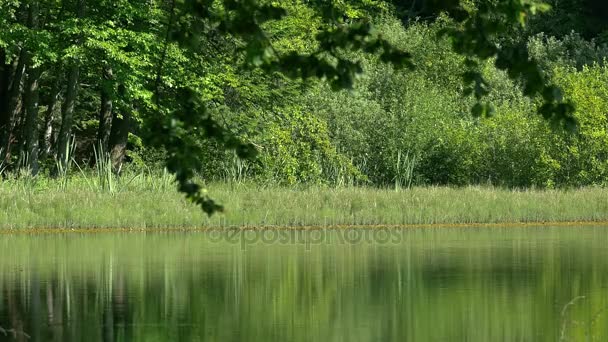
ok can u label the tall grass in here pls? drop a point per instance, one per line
(404, 172)
(236, 170)
(63, 167)
(103, 167)
(149, 200)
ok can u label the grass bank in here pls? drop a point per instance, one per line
(145, 201)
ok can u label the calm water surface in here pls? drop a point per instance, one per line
(510, 284)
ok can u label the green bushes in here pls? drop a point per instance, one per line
(307, 133)
(293, 144)
(303, 131)
(424, 114)
(584, 157)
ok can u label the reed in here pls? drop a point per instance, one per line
(149, 200)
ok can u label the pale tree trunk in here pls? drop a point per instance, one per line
(67, 113)
(119, 137)
(49, 119)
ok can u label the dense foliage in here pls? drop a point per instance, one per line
(173, 83)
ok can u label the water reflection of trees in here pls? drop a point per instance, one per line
(138, 288)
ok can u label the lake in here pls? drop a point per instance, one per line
(444, 284)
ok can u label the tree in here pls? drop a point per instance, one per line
(172, 71)
(67, 111)
(31, 95)
(474, 36)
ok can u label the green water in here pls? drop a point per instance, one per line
(416, 285)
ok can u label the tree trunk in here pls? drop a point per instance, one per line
(31, 119)
(49, 119)
(5, 78)
(67, 111)
(119, 137)
(105, 113)
(67, 114)
(13, 107)
(31, 98)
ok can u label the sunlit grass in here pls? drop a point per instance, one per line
(151, 201)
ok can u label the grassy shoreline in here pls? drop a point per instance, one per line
(148, 202)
